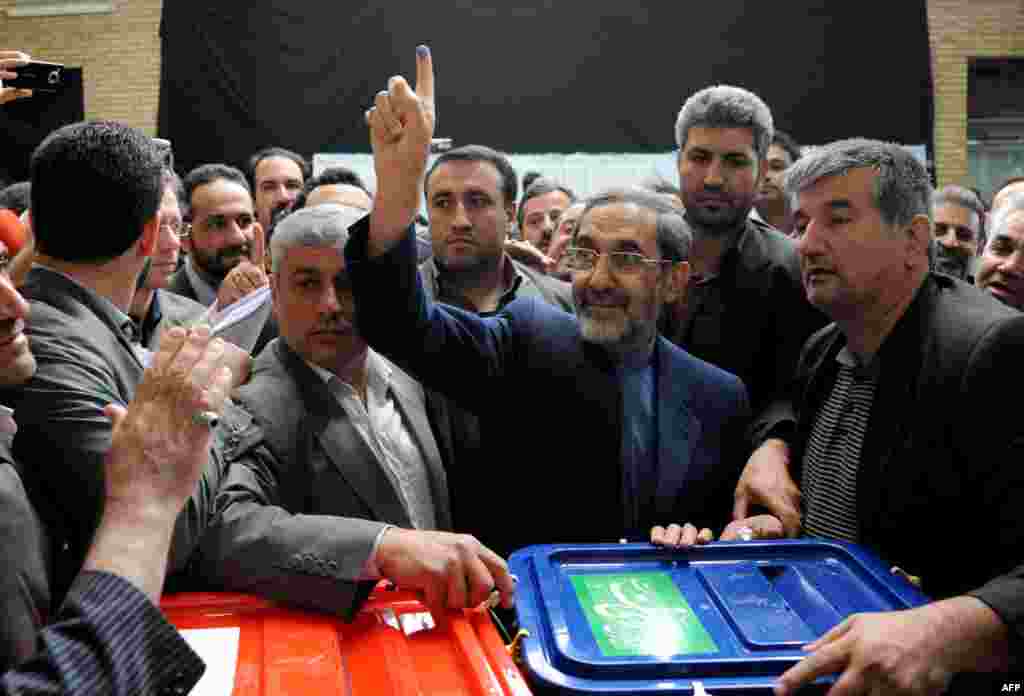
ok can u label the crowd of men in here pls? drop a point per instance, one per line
(778, 344)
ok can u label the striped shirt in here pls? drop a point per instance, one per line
(832, 458)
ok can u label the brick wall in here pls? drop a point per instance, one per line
(961, 29)
(119, 55)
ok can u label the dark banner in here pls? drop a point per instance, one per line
(543, 76)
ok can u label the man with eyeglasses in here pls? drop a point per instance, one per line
(645, 429)
(224, 242)
(153, 308)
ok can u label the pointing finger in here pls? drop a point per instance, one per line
(424, 74)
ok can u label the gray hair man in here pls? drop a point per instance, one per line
(959, 219)
(885, 396)
(356, 485)
(1001, 266)
(745, 289)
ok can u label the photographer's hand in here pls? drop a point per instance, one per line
(9, 61)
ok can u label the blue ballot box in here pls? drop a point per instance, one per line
(726, 618)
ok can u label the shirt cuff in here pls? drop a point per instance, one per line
(371, 571)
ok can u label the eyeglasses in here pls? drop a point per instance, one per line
(579, 259)
(179, 229)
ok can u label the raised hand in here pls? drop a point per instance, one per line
(10, 61)
(401, 125)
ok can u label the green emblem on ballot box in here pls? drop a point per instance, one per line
(640, 614)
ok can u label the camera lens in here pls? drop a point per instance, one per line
(54, 77)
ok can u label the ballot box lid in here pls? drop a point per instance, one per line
(393, 647)
(725, 618)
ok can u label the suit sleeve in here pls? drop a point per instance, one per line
(257, 545)
(107, 639)
(431, 341)
(995, 448)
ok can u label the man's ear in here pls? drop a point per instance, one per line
(676, 281)
(919, 237)
(150, 234)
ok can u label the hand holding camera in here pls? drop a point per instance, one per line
(20, 76)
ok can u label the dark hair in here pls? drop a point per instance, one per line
(93, 171)
(481, 153)
(332, 176)
(208, 173)
(529, 178)
(787, 143)
(1008, 182)
(266, 152)
(673, 233)
(541, 187)
(16, 197)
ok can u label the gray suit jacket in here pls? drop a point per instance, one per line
(174, 310)
(299, 524)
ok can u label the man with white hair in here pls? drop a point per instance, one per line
(356, 482)
(1001, 267)
(745, 310)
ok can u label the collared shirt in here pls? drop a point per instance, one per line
(150, 322)
(124, 322)
(380, 424)
(829, 482)
(448, 292)
(638, 378)
(206, 292)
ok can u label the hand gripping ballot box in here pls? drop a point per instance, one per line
(393, 647)
(726, 618)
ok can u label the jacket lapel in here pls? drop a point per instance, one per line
(679, 430)
(341, 442)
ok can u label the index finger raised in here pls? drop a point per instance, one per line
(424, 73)
(258, 248)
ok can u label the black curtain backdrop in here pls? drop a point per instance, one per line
(543, 76)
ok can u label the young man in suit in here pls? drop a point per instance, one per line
(106, 636)
(80, 290)
(355, 485)
(893, 447)
(648, 432)
(225, 247)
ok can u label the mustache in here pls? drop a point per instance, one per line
(334, 324)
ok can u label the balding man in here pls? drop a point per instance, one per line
(1001, 267)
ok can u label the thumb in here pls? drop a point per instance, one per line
(740, 506)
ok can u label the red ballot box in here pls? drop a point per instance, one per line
(394, 646)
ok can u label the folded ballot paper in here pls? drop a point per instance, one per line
(241, 322)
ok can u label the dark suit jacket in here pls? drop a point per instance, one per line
(561, 480)
(294, 525)
(940, 477)
(107, 639)
(765, 321)
(24, 587)
(84, 362)
(180, 284)
(166, 311)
